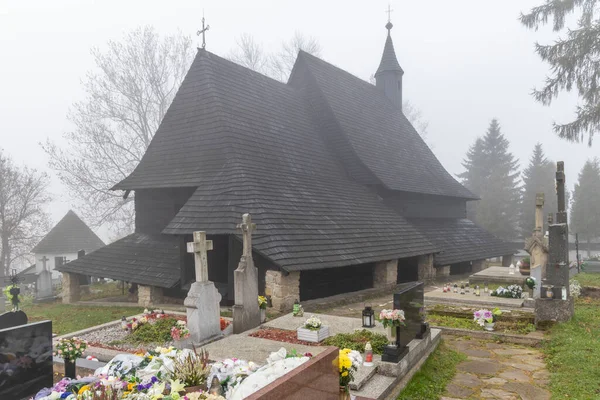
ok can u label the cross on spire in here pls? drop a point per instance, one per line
(389, 24)
(203, 32)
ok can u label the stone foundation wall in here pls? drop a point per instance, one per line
(283, 289)
(426, 270)
(149, 295)
(385, 274)
(71, 291)
(442, 271)
(478, 265)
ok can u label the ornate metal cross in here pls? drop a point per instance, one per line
(203, 32)
(199, 247)
(247, 227)
(389, 12)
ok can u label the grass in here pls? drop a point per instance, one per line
(505, 326)
(431, 380)
(588, 279)
(357, 341)
(574, 351)
(68, 318)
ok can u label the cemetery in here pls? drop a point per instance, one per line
(339, 271)
(201, 355)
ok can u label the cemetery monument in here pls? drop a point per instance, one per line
(202, 301)
(246, 313)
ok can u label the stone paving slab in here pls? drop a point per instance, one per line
(485, 300)
(252, 348)
(498, 371)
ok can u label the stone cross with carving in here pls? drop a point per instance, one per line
(44, 260)
(247, 227)
(199, 247)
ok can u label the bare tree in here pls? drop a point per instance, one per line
(277, 65)
(415, 116)
(250, 54)
(23, 219)
(128, 94)
(282, 62)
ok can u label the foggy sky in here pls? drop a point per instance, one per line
(465, 63)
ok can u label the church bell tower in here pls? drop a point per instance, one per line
(388, 77)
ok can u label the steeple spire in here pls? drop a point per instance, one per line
(389, 74)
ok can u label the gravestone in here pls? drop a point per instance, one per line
(26, 357)
(44, 283)
(410, 299)
(203, 300)
(246, 313)
(536, 273)
(557, 308)
(12, 318)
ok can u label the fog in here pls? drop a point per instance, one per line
(465, 63)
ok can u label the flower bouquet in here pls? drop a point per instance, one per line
(487, 318)
(511, 292)
(348, 362)
(262, 304)
(70, 350)
(392, 319)
(575, 288)
(530, 282)
(313, 330)
(180, 331)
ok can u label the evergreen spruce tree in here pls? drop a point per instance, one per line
(573, 61)
(585, 208)
(491, 172)
(538, 177)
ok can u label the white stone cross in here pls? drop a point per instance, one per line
(44, 260)
(247, 227)
(199, 247)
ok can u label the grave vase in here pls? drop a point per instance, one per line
(263, 315)
(392, 335)
(489, 326)
(344, 393)
(70, 368)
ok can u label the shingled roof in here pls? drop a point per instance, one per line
(303, 222)
(140, 258)
(70, 235)
(375, 133)
(461, 240)
(389, 62)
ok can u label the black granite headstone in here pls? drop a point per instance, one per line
(410, 299)
(12, 318)
(25, 360)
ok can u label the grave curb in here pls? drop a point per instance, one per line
(506, 337)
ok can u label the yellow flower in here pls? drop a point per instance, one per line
(345, 373)
(130, 386)
(84, 389)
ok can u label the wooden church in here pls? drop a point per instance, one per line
(345, 193)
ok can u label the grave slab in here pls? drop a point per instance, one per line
(497, 275)
(485, 300)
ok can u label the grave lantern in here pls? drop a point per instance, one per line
(511, 269)
(462, 289)
(124, 323)
(368, 317)
(477, 292)
(455, 288)
(485, 287)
